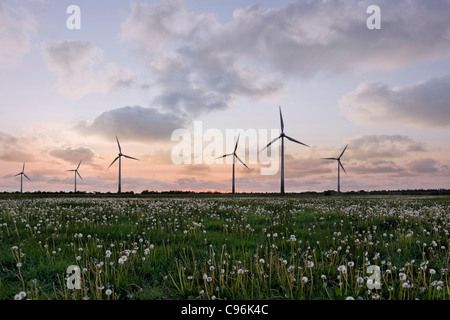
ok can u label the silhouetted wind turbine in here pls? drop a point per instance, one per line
(76, 173)
(282, 136)
(120, 163)
(235, 156)
(338, 159)
(22, 173)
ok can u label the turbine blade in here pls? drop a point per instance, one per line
(130, 157)
(330, 158)
(342, 166)
(23, 168)
(114, 161)
(79, 164)
(26, 176)
(71, 170)
(225, 155)
(18, 174)
(281, 121)
(79, 175)
(296, 141)
(343, 151)
(237, 141)
(271, 143)
(118, 144)
(241, 162)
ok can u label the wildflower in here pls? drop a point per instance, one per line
(351, 264)
(349, 298)
(261, 261)
(342, 269)
(310, 264)
(18, 265)
(432, 271)
(240, 271)
(305, 280)
(402, 276)
(108, 292)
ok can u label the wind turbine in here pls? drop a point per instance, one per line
(76, 173)
(120, 163)
(22, 173)
(235, 156)
(282, 136)
(338, 159)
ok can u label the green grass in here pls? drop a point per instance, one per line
(225, 247)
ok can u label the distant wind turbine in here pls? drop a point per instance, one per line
(22, 173)
(282, 136)
(76, 173)
(120, 164)
(338, 159)
(235, 156)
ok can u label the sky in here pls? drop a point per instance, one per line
(145, 70)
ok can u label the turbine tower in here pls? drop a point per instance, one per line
(120, 164)
(22, 173)
(235, 156)
(338, 159)
(282, 136)
(76, 173)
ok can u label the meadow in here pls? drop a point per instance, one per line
(169, 248)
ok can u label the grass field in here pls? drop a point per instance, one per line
(320, 247)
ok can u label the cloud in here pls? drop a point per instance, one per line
(193, 75)
(17, 29)
(381, 147)
(16, 149)
(424, 104)
(428, 165)
(202, 64)
(378, 167)
(74, 155)
(80, 68)
(135, 123)
(307, 37)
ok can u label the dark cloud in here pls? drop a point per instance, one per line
(425, 104)
(134, 123)
(202, 64)
(382, 147)
(428, 165)
(75, 155)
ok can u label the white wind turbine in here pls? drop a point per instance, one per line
(120, 164)
(235, 156)
(338, 159)
(76, 173)
(22, 173)
(282, 136)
